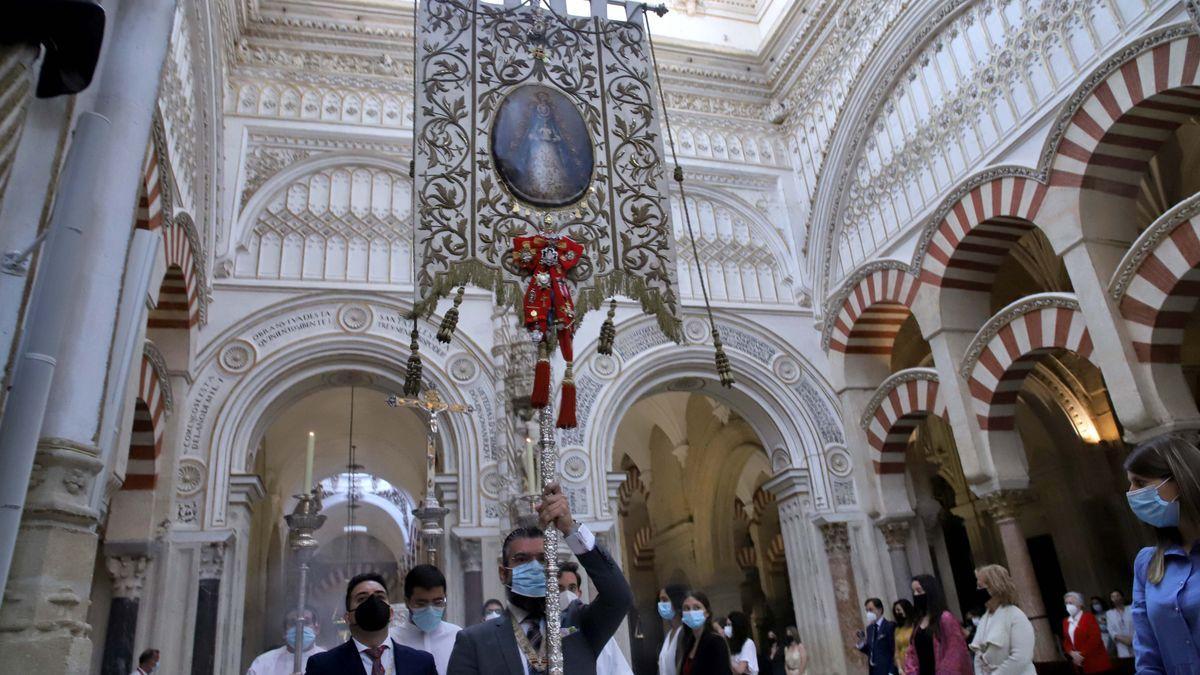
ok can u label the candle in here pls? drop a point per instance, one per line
(308, 461)
(530, 468)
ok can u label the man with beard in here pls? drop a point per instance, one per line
(369, 650)
(513, 644)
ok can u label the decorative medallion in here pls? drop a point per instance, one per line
(237, 357)
(186, 512)
(355, 317)
(839, 462)
(463, 369)
(541, 147)
(189, 476)
(491, 483)
(787, 369)
(696, 331)
(574, 465)
(605, 367)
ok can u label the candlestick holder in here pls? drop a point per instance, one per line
(305, 519)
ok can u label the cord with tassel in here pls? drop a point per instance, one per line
(724, 370)
(540, 396)
(450, 321)
(608, 331)
(566, 408)
(412, 375)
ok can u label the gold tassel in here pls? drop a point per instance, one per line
(724, 370)
(450, 321)
(608, 331)
(412, 376)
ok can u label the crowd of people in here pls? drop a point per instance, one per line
(1159, 631)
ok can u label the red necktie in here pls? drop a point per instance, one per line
(376, 654)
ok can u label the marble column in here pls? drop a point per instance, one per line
(845, 589)
(128, 574)
(208, 606)
(1003, 506)
(895, 534)
(470, 552)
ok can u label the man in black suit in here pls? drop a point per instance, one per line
(512, 644)
(879, 640)
(370, 651)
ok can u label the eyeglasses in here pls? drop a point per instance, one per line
(440, 603)
(517, 559)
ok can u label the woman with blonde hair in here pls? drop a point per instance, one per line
(1003, 643)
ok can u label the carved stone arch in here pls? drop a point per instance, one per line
(899, 404)
(864, 316)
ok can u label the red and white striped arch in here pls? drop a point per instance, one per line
(145, 443)
(1009, 346)
(968, 243)
(902, 402)
(1158, 284)
(1119, 126)
(178, 302)
(868, 312)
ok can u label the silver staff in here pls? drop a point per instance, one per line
(305, 519)
(550, 476)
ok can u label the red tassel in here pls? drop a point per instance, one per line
(566, 409)
(540, 397)
(566, 345)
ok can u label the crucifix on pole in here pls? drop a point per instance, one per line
(431, 513)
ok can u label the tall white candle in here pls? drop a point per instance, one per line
(308, 461)
(531, 485)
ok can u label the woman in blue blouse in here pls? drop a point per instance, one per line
(1164, 492)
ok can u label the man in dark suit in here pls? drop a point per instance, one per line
(370, 651)
(512, 644)
(879, 640)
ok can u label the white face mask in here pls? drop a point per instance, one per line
(872, 617)
(494, 614)
(565, 598)
(729, 631)
(1073, 610)
(975, 621)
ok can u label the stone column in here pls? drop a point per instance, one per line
(895, 534)
(128, 574)
(208, 605)
(470, 552)
(845, 589)
(1003, 507)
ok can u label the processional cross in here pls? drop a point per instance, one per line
(431, 513)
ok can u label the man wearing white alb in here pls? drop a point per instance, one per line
(282, 660)
(743, 654)
(1120, 625)
(425, 597)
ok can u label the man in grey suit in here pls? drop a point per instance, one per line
(512, 644)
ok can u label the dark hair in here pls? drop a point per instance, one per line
(569, 567)
(1097, 599)
(490, 601)
(907, 608)
(741, 631)
(289, 619)
(147, 656)
(519, 533)
(1169, 456)
(358, 579)
(423, 576)
(876, 602)
(935, 603)
(676, 593)
(687, 639)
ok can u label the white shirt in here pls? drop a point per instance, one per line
(748, 655)
(1072, 624)
(439, 642)
(666, 656)
(280, 661)
(611, 661)
(1120, 622)
(580, 541)
(388, 658)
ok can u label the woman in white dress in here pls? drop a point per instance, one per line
(670, 610)
(743, 654)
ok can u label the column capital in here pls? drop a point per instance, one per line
(212, 560)
(470, 552)
(60, 485)
(128, 573)
(245, 489)
(789, 483)
(1005, 504)
(837, 538)
(895, 533)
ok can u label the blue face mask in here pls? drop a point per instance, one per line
(309, 637)
(428, 618)
(666, 611)
(693, 618)
(1152, 509)
(529, 579)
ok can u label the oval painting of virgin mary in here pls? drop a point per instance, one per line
(541, 147)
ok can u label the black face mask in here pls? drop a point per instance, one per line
(920, 604)
(373, 614)
(982, 595)
(535, 607)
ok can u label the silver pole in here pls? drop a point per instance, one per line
(305, 519)
(550, 476)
